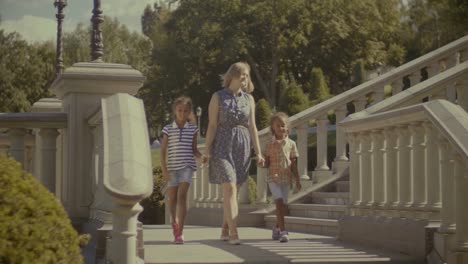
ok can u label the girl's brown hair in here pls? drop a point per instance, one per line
(183, 100)
(235, 71)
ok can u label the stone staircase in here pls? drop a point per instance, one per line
(317, 212)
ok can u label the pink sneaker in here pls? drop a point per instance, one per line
(179, 239)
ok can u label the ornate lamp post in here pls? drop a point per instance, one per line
(198, 112)
(97, 47)
(60, 5)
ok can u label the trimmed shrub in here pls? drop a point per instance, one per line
(153, 206)
(34, 227)
(263, 113)
(252, 189)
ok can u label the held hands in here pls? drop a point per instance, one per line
(260, 160)
(298, 186)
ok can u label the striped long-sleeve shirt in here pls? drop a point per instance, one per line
(179, 147)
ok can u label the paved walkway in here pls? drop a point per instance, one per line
(202, 245)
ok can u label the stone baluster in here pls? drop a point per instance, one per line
(355, 175)
(452, 61)
(322, 171)
(219, 191)
(366, 169)
(194, 186)
(341, 160)
(378, 172)
(462, 93)
(404, 166)
(463, 55)
(261, 185)
(302, 136)
(418, 166)
(397, 86)
(360, 104)
(243, 193)
(17, 144)
(461, 196)
(30, 147)
(202, 180)
(48, 153)
(433, 69)
(391, 168)
(448, 196)
(434, 184)
(378, 95)
(415, 78)
(214, 193)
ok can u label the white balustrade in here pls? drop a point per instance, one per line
(261, 186)
(341, 160)
(461, 200)
(378, 95)
(462, 93)
(366, 168)
(243, 193)
(397, 86)
(415, 77)
(302, 136)
(355, 174)
(360, 104)
(391, 168)
(404, 166)
(448, 195)
(433, 69)
(434, 183)
(418, 173)
(378, 173)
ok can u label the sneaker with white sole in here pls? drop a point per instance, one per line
(284, 236)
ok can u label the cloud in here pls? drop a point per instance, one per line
(32, 28)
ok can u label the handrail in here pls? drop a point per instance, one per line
(33, 120)
(369, 86)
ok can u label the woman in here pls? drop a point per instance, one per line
(231, 127)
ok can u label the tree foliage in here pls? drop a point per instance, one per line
(319, 90)
(263, 114)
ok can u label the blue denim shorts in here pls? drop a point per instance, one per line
(178, 176)
(279, 191)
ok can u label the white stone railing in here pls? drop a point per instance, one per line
(443, 66)
(412, 163)
(20, 143)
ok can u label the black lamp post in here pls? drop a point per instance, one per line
(198, 112)
(97, 47)
(60, 5)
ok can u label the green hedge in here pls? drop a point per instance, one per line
(153, 206)
(34, 227)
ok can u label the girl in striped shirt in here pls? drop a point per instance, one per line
(178, 152)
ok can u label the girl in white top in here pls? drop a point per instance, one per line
(179, 142)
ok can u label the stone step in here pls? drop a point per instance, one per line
(342, 186)
(318, 226)
(324, 211)
(330, 198)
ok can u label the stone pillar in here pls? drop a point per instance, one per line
(47, 105)
(202, 179)
(81, 88)
(261, 186)
(397, 86)
(378, 173)
(355, 170)
(341, 160)
(302, 136)
(404, 167)
(433, 69)
(366, 169)
(17, 144)
(415, 78)
(322, 171)
(434, 183)
(194, 186)
(378, 95)
(418, 165)
(124, 233)
(462, 93)
(360, 104)
(49, 153)
(390, 168)
(461, 196)
(448, 197)
(243, 196)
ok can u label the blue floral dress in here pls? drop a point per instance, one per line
(230, 153)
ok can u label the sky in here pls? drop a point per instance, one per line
(35, 19)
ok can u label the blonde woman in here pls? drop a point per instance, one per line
(230, 136)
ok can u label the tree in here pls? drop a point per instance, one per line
(294, 100)
(263, 113)
(319, 90)
(359, 74)
(26, 72)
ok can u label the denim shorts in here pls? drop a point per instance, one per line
(279, 191)
(178, 176)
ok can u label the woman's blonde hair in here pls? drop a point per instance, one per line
(235, 71)
(183, 100)
(281, 116)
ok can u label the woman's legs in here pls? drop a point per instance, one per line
(231, 209)
(182, 204)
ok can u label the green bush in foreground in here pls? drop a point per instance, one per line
(34, 227)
